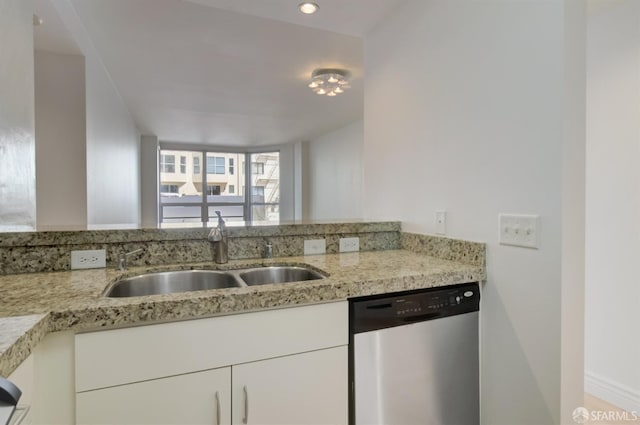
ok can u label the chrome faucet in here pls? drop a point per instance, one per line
(268, 249)
(122, 259)
(219, 243)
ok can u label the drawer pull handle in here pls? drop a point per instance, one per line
(217, 408)
(245, 419)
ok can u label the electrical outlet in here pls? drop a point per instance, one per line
(349, 244)
(89, 259)
(441, 222)
(315, 246)
(519, 230)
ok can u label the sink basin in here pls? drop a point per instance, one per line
(170, 282)
(198, 280)
(266, 275)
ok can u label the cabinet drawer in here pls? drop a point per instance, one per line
(194, 398)
(120, 356)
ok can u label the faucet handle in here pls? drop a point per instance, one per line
(215, 235)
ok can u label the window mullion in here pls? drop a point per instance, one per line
(248, 215)
(204, 211)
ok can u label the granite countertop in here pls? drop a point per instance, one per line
(35, 304)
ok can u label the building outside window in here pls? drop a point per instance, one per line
(215, 165)
(167, 163)
(183, 165)
(265, 186)
(194, 197)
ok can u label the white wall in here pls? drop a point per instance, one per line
(17, 148)
(61, 136)
(333, 174)
(113, 154)
(613, 203)
(287, 182)
(113, 141)
(466, 109)
(149, 181)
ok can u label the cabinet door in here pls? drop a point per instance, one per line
(301, 389)
(182, 399)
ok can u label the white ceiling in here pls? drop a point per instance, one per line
(351, 17)
(231, 72)
(52, 35)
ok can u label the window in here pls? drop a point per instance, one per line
(168, 188)
(257, 168)
(265, 186)
(258, 193)
(167, 164)
(192, 198)
(215, 164)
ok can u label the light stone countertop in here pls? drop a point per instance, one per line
(31, 305)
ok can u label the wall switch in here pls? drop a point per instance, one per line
(315, 246)
(89, 259)
(441, 222)
(519, 230)
(349, 244)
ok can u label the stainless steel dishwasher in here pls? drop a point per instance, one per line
(414, 357)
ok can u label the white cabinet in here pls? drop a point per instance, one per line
(24, 378)
(193, 399)
(308, 388)
(46, 381)
(286, 366)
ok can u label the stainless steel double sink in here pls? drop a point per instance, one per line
(198, 280)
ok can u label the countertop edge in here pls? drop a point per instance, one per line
(24, 345)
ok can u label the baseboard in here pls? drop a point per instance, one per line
(613, 392)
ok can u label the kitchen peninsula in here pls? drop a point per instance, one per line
(53, 301)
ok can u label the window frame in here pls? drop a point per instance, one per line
(165, 163)
(196, 163)
(183, 164)
(216, 167)
(247, 185)
(257, 168)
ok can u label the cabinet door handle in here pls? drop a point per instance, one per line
(245, 419)
(217, 408)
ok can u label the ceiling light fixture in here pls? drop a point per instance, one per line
(37, 21)
(308, 8)
(330, 82)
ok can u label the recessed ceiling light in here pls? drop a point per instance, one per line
(308, 8)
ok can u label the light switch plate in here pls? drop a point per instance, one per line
(315, 246)
(349, 244)
(519, 230)
(88, 259)
(441, 222)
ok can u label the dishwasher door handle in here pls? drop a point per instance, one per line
(422, 317)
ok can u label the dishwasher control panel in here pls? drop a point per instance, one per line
(418, 303)
(411, 306)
